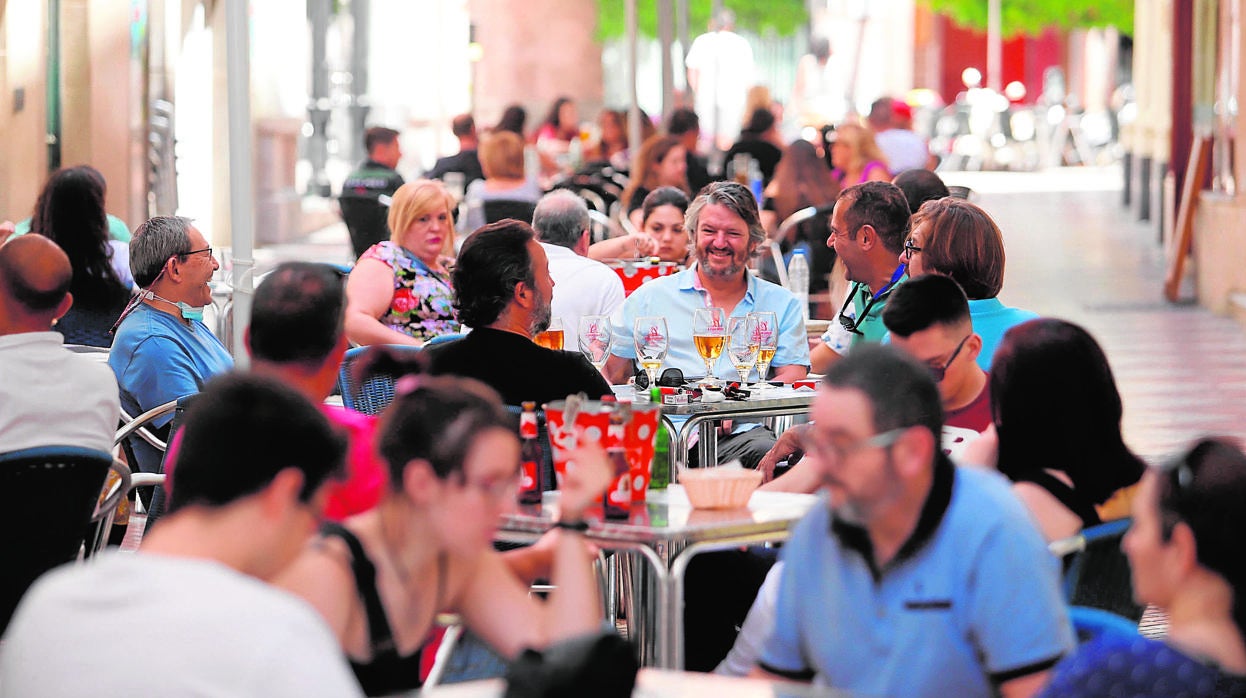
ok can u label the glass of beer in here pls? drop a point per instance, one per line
(767, 329)
(742, 344)
(595, 338)
(652, 342)
(552, 337)
(709, 334)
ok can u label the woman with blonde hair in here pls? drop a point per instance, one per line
(857, 158)
(501, 161)
(399, 291)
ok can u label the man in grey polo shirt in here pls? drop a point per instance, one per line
(913, 577)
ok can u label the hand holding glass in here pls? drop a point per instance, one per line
(709, 334)
(652, 342)
(767, 342)
(595, 338)
(742, 344)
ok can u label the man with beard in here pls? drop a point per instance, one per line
(502, 288)
(726, 231)
(932, 580)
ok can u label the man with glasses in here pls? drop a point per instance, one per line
(162, 349)
(868, 227)
(931, 579)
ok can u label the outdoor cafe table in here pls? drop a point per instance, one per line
(774, 401)
(668, 532)
(659, 683)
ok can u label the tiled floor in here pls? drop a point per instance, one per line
(1074, 252)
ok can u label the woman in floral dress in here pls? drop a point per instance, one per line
(399, 291)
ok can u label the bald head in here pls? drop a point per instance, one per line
(560, 218)
(34, 283)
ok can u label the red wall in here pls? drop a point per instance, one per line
(1025, 58)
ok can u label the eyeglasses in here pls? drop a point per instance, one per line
(187, 254)
(852, 323)
(497, 490)
(910, 248)
(940, 372)
(820, 446)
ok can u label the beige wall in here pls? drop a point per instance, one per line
(23, 149)
(532, 57)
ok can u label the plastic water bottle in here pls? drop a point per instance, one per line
(798, 280)
(755, 179)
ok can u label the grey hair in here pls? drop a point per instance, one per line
(737, 198)
(560, 218)
(155, 241)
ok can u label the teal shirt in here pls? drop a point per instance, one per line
(117, 229)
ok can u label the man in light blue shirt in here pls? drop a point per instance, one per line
(726, 231)
(163, 350)
(931, 580)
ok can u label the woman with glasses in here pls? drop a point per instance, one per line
(381, 577)
(958, 239)
(1056, 433)
(1185, 552)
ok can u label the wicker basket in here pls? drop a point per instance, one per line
(719, 488)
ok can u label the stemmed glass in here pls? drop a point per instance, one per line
(709, 334)
(767, 342)
(743, 344)
(652, 341)
(595, 337)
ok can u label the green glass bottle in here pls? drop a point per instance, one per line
(660, 471)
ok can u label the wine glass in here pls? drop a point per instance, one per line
(652, 341)
(767, 343)
(553, 336)
(743, 344)
(595, 337)
(709, 334)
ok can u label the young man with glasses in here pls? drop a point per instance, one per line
(962, 597)
(162, 349)
(928, 319)
(868, 227)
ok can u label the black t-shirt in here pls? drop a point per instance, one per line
(517, 367)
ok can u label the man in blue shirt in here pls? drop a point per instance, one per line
(163, 350)
(930, 580)
(726, 231)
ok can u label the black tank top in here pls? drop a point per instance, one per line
(386, 673)
(1069, 497)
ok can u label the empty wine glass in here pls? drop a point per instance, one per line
(767, 343)
(709, 334)
(595, 338)
(652, 342)
(742, 344)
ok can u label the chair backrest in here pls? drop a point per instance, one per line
(498, 209)
(1094, 623)
(53, 493)
(443, 338)
(1096, 571)
(373, 394)
(957, 191)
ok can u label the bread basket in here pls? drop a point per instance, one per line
(719, 488)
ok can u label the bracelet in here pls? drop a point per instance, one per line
(577, 525)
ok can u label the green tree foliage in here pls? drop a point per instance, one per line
(784, 17)
(1034, 16)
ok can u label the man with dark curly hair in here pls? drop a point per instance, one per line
(502, 288)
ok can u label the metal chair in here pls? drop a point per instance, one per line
(369, 395)
(54, 492)
(1096, 571)
(135, 437)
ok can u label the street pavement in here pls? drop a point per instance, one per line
(1076, 253)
